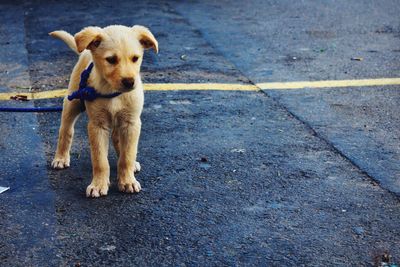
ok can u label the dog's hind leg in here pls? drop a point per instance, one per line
(71, 111)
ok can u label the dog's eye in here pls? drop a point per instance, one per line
(135, 58)
(112, 60)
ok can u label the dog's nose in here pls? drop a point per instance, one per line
(128, 82)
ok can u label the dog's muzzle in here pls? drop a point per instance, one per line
(127, 84)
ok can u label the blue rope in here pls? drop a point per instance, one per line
(87, 93)
(36, 109)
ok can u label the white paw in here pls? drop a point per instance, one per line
(130, 186)
(96, 189)
(137, 167)
(60, 163)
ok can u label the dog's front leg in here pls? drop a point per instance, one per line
(99, 139)
(71, 111)
(128, 137)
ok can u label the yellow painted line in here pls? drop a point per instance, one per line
(50, 94)
(329, 84)
(225, 87)
(35, 95)
(148, 87)
(200, 86)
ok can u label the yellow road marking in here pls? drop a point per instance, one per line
(200, 86)
(50, 94)
(329, 84)
(147, 87)
(225, 87)
(35, 95)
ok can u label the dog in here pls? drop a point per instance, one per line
(116, 53)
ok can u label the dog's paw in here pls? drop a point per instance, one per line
(137, 167)
(60, 163)
(130, 186)
(96, 189)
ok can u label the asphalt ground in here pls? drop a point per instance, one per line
(304, 177)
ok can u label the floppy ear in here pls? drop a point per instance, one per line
(88, 38)
(146, 38)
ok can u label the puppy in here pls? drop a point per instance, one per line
(116, 53)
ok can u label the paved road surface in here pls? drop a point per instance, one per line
(306, 177)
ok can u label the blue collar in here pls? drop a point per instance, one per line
(86, 93)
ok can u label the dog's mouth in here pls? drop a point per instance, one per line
(124, 89)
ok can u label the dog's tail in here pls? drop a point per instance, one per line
(67, 38)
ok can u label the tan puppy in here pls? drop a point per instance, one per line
(117, 53)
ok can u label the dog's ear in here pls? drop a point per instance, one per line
(88, 38)
(146, 38)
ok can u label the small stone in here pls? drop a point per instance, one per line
(157, 106)
(60, 209)
(358, 230)
(180, 102)
(108, 248)
(205, 166)
(238, 150)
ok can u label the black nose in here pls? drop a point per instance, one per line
(128, 82)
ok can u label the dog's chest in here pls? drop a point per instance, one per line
(119, 110)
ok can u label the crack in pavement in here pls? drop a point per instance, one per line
(293, 114)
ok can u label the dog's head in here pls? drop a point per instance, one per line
(117, 52)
